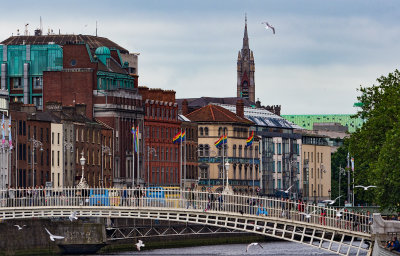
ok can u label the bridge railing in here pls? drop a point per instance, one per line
(164, 197)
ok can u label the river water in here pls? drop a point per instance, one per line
(269, 248)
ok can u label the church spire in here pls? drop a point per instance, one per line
(245, 37)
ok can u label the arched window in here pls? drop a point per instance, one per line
(245, 152)
(201, 148)
(240, 172)
(206, 131)
(234, 150)
(225, 131)
(240, 151)
(206, 150)
(220, 131)
(201, 131)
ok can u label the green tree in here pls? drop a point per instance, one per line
(376, 146)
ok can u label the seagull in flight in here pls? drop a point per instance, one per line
(253, 244)
(139, 244)
(267, 26)
(365, 188)
(287, 190)
(52, 237)
(308, 215)
(20, 227)
(73, 216)
(330, 202)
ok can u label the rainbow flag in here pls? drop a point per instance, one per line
(222, 140)
(177, 137)
(250, 139)
(3, 130)
(183, 136)
(136, 138)
(9, 132)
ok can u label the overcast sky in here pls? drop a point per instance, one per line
(321, 53)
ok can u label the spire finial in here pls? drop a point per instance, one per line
(245, 18)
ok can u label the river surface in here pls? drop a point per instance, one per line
(269, 248)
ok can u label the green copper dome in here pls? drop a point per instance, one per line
(102, 51)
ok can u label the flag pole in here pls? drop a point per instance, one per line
(133, 157)
(252, 173)
(223, 161)
(180, 160)
(138, 150)
(184, 155)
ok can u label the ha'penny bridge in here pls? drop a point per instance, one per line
(327, 228)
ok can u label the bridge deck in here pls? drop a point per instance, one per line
(324, 227)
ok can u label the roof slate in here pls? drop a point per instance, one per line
(214, 113)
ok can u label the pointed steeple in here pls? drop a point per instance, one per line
(245, 37)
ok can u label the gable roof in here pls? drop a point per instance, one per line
(214, 113)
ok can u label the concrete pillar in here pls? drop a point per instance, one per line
(4, 76)
(26, 83)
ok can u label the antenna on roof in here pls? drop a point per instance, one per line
(96, 27)
(26, 29)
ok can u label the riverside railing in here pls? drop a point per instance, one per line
(172, 198)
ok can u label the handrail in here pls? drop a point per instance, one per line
(173, 198)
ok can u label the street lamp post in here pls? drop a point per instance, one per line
(82, 183)
(341, 172)
(35, 144)
(154, 152)
(227, 190)
(70, 146)
(104, 149)
(329, 193)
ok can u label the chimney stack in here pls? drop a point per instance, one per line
(240, 108)
(185, 108)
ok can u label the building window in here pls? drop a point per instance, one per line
(37, 82)
(220, 173)
(279, 184)
(279, 166)
(322, 158)
(206, 150)
(58, 138)
(206, 131)
(58, 158)
(220, 130)
(16, 82)
(234, 150)
(240, 151)
(52, 158)
(201, 131)
(279, 148)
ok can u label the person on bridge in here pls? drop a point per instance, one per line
(220, 202)
(322, 219)
(396, 245)
(261, 211)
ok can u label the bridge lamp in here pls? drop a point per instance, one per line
(227, 169)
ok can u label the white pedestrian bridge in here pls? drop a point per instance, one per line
(328, 228)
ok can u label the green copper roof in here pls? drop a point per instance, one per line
(307, 121)
(102, 51)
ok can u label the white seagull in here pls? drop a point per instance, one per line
(73, 216)
(139, 244)
(52, 237)
(250, 245)
(330, 202)
(287, 190)
(308, 215)
(365, 188)
(267, 26)
(339, 213)
(20, 227)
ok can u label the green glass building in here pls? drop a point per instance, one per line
(307, 121)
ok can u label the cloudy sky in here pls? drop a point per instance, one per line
(321, 53)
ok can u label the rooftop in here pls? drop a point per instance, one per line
(93, 42)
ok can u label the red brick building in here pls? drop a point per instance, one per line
(161, 124)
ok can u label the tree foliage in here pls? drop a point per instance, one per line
(376, 146)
